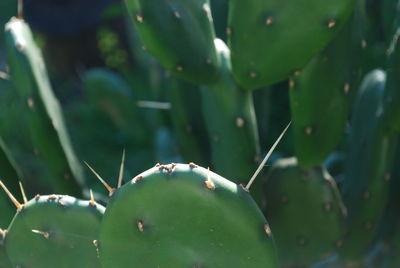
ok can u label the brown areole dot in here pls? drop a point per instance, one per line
(346, 88)
(177, 15)
(331, 24)
(139, 18)
(308, 130)
(240, 122)
(267, 229)
(210, 185)
(193, 165)
(137, 179)
(269, 20)
(291, 83)
(339, 244)
(140, 226)
(244, 188)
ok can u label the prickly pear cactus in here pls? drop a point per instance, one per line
(4, 261)
(180, 34)
(305, 212)
(47, 127)
(184, 216)
(188, 123)
(270, 40)
(320, 94)
(231, 120)
(392, 93)
(55, 231)
(9, 174)
(367, 172)
(112, 95)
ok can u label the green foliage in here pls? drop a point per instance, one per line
(155, 83)
(230, 121)
(368, 165)
(321, 93)
(270, 40)
(46, 122)
(302, 204)
(54, 231)
(9, 174)
(209, 220)
(189, 52)
(4, 261)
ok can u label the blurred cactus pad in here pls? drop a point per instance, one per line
(200, 133)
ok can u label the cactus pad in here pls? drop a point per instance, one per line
(46, 121)
(270, 40)
(305, 212)
(184, 216)
(180, 34)
(55, 231)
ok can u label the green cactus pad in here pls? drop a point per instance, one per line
(320, 93)
(392, 92)
(305, 213)
(47, 127)
(4, 261)
(180, 34)
(112, 96)
(270, 40)
(55, 231)
(184, 216)
(231, 124)
(9, 174)
(188, 123)
(389, 17)
(367, 172)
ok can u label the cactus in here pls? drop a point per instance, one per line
(4, 261)
(305, 212)
(194, 101)
(192, 56)
(209, 220)
(188, 123)
(230, 121)
(270, 40)
(46, 120)
(320, 94)
(10, 174)
(392, 94)
(389, 11)
(367, 171)
(112, 95)
(54, 231)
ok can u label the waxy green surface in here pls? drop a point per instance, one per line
(55, 231)
(271, 40)
(180, 34)
(46, 122)
(231, 124)
(9, 175)
(305, 212)
(320, 94)
(182, 215)
(368, 165)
